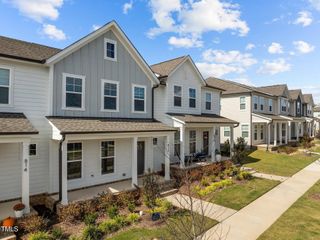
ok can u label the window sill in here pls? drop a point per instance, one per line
(73, 109)
(110, 59)
(106, 110)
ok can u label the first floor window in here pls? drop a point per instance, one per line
(255, 132)
(261, 132)
(107, 157)
(32, 149)
(226, 131)
(208, 101)
(155, 141)
(177, 92)
(74, 91)
(242, 103)
(177, 143)
(192, 141)
(245, 131)
(74, 160)
(4, 85)
(139, 98)
(192, 97)
(110, 95)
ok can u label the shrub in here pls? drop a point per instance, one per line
(222, 175)
(112, 211)
(121, 221)
(131, 206)
(205, 181)
(232, 171)
(239, 151)
(57, 233)
(109, 226)
(70, 213)
(124, 198)
(151, 189)
(306, 141)
(195, 174)
(39, 236)
(104, 200)
(91, 233)
(213, 169)
(33, 223)
(74, 237)
(244, 175)
(287, 149)
(90, 219)
(225, 149)
(133, 218)
(214, 186)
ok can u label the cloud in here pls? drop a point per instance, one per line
(218, 62)
(304, 18)
(250, 46)
(275, 48)
(53, 32)
(127, 6)
(193, 18)
(184, 42)
(95, 27)
(276, 66)
(303, 47)
(315, 4)
(38, 10)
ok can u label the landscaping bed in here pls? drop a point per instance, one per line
(300, 221)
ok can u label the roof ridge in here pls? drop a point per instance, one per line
(273, 85)
(169, 60)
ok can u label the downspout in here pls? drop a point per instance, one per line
(269, 134)
(152, 97)
(60, 172)
(251, 132)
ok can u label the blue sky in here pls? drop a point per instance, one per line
(257, 42)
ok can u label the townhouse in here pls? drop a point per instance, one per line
(316, 115)
(185, 101)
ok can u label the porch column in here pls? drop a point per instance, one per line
(167, 159)
(134, 164)
(213, 145)
(297, 130)
(25, 176)
(280, 130)
(182, 143)
(302, 129)
(150, 159)
(64, 171)
(289, 124)
(231, 141)
(268, 137)
(286, 134)
(275, 134)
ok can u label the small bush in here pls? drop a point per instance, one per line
(109, 226)
(112, 211)
(39, 236)
(131, 206)
(239, 151)
(232, 171)
(57, 233)
(33, 224)
(306, 141)
(70, 213)
(214, 186)
(213, 169)
(244, 175)
(205, 181)
(121, 221)
(74, 237)
(133, 218)
(222, 175)
(287, 149)
(151, 189)
(91, 233)
(225, 149)
(104, 200)
(90, 219)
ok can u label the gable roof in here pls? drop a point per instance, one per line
(294, 94)
(232, 87)
(25, 51)
(278, 90)
(163, 69)
(307, 98)
(15, 124)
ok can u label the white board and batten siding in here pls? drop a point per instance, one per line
(30, 95)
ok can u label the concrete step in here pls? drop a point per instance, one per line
(169, 192)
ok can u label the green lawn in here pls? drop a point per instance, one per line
(240, 195)
(182, 218)
(301, 221)
(278, 164)
(316, 149)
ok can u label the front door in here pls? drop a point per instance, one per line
(140, 152)
(205, 142)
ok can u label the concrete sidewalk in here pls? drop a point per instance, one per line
(208, 209)
(270, 176)
(251, 221)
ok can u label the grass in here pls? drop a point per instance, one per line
(240, 195)
(301, 221)
(278, 164)
(316, 149)
(162, 231)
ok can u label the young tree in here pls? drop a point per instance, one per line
(239, 151)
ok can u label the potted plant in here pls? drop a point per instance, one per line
(18, 209)
(218, 155)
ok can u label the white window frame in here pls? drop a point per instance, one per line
(176, 142)
(270, 104)
(114, 162)
(299, 107)
(145, 98)
(226, 130)
(107, 40)
(245, 103)
(82, 170)
(262, 132)
(195, 140)
(64, 92)
(195, 98)
(242, 125)
(284, 103)
(35, 149)
(103, 81)
(205, 96)
(10, 85)
(174, 95)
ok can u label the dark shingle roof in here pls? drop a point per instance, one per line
(307, 98)
(203, 118)
(166, 67)
(87, 125)
(27, 51)
(277, 90)
(294, 94)
(15, 124)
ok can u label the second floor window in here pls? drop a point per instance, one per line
(139, 99)
(283, 105)
(74, 91)
(4, 86)
(192, 97)
(208, 101)
(110, 95)
(261, 103)
(270, 105)
(255, 102)
(177, 92)
(110, 48)
(298, 107)
(242, 103)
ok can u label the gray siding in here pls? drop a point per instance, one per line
(89, 61)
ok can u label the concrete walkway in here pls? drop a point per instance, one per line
(270, 176)
(251, 221)
(208, 209)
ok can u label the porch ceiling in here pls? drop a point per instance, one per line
(15, 124)
(202, 119)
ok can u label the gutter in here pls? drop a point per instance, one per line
(152, 97)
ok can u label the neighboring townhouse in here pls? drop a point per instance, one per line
(307, 111)
(184, 100)
(316, 115)
(77, 117)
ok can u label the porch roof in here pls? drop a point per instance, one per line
(202, 118)
(15, 124)
(270, 117)
(90, 125)
(298, 119)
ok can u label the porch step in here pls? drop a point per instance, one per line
(169, 192)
